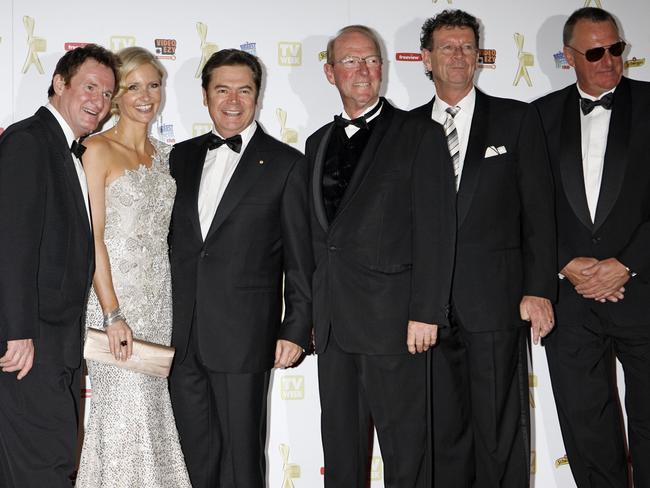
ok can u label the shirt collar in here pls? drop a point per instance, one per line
(466, 105)
(67, 131)
(584, 94)
(368, 109)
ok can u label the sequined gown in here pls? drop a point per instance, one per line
(131, 439)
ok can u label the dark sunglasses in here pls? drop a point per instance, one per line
(596, 53)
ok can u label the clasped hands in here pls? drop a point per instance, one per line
(598, 280)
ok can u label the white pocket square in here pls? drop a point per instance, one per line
(494, 151)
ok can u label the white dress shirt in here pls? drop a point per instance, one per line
(462, 121)
(594, 129)
(69, 136)
(350, 130)
(218, 168)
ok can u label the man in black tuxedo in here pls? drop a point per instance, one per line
(504, 270)
(383, 232)
(46, 256)
(597, 135)
(239, 225)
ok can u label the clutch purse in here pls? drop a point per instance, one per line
(147, 357)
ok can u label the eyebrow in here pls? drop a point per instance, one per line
(230, 87)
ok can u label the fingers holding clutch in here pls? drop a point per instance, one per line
(120, 340)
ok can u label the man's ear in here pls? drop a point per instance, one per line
(329, 73)
(426, 59)
(58, 83)
(568, 55)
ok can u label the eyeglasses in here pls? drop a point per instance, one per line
(596, 53)
(353, 62)
(450, 49)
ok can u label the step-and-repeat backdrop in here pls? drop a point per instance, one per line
(521, 57)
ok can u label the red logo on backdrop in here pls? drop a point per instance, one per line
(69, 46)
(408, 56)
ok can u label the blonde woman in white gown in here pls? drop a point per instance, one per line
(131, 438)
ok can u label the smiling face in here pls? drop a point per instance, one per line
(600, 76)
(359, 87)
(141, 99)
(85, 101)
(452, 61)
(231, 99)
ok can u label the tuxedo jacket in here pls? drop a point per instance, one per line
(505, 244)
(387, 256)
(622, 222)
(230, 286)
(46, 245)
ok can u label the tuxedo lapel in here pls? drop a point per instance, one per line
(570, 160)
(317, 178)
(474, 156)
(195, 159)
(615, 162)
(368, 157)
(61, 152)
(245, 176)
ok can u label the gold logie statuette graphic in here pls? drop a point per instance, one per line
(597, 3)
(288, 136)
(291, 471)
(376, 469)
(121, 42)
(563, 461)
(533, 461)
(292, 387)
(289, 53)
(532, 383)
(199, 129)
(207, 48)
(35, 45)
(525, 61)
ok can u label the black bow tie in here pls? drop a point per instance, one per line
(234, 142)
(587, 105)
(77, 149)
(360, 122)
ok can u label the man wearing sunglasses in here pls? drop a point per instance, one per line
(597, 135)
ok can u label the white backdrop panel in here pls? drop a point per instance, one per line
(288, 36)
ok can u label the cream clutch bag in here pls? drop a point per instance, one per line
(147, 358)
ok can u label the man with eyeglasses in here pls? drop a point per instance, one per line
(504, 277)
(597, 135)
(383, 231)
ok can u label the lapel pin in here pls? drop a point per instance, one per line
(261, 161)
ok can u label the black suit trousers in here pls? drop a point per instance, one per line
(359, 390)
(481, 416)
(581, 361)
(38, 427)
(221, 421)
